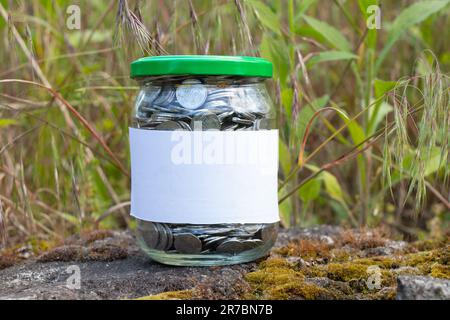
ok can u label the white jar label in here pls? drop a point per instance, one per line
(204, 177)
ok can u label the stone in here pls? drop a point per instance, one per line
(422, 288)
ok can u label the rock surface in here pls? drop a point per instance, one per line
(323, 262)
(422, 288)
(108, 272)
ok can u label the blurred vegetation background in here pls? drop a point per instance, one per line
(363, 113)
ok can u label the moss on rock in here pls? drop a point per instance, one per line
(169, 295)
(345, 267)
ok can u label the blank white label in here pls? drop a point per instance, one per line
(204, 177)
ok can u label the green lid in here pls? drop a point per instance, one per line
(201, 65)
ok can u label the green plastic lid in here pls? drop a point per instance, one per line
(201, 65)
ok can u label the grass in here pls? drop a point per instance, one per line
(363, 113)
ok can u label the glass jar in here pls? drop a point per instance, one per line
(195, 212)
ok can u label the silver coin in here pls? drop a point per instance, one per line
(187, 243)
(169, 126)
(231, 246)
(146, 96)
(247, 115)
(268, 233)
(212, 242)
(163, 238)
(169, 237)
(165, 97)
(217, 104)
(231, 127)
(184, 126)
(149, 233)
(244, 128)
(149, 126)
(205, 121)
(203, 230)
(225, 114)
(242, 121)
(151, 93)
(252, 228)
(191, 95)
(220, 94)
(252, 243)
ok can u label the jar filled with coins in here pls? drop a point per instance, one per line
(204, 159)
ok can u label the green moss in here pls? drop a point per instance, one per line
(273, 276)
(275, 263)
(429, 262)
(385, 262)
(440, 271)
(170, 295)
(430, 244)
(345, 271)
(300, 289)
(276, 279)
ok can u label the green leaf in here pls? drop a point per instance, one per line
(333, 187)
(285, 157)
(364, 4)
(265, 15)
(331, 183)
(310, 190)
(412, 15)
(2, 21)
(331, 34)
(356, 131)
(331, 56)
(306, 31)
(432, 166)
(381, 108)
(376, 115)
(287, 94)
(382, 87)
(285, 208)
(275, 50)
(7, 122)
(303, 6)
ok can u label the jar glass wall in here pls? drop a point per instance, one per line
(225, 103)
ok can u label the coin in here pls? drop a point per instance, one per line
(187, 243)
(231, 246)
(149, 233)
(184, 125)
(231, 127)
(252, 243)
(191, 95)
(212, 242)
(268, 233)
(146, 96)
(169, 236)
(217, 104)
(169, 126)
(242, 121)
(151, 93)
(165, 97)
(163, 238)
(205, 121)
